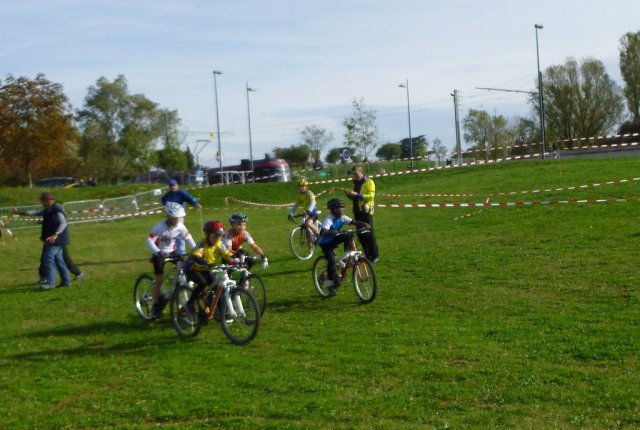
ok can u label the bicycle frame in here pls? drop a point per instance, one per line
(227, 285)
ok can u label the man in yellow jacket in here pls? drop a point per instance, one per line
(362, 195)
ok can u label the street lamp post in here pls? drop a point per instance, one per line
(215, 90)
(249, 89)
(406, 85)
(540, 94)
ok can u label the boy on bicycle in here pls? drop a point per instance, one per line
(209, 251)
(306, 200)
(237, 235)
(162, 243)
(330, 239)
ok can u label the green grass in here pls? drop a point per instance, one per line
(516, 317)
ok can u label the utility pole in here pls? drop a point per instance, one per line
(458, 146)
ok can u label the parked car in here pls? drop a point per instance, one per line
(65, 182)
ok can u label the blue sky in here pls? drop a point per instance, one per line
(308, 60)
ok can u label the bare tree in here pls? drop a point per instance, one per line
(316, 139)
(361, 129)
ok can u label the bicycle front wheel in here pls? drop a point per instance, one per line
(365, 282)
(300, 244)
(143, 297)
(320, 273)
(241, 321)
(186, 325)
(256, 287)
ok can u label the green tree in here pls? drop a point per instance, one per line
(581, 100)
(316, 139)
(630, 70)
(419, 143)
(524, 133)
(489, 133)
(171, 157)
(361, 129)
(36, 128)
(119, 130)
(389, 151)
(294, 155)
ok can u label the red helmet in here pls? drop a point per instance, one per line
(215, 227)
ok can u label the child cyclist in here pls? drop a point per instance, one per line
(329, 239)
(238, 234)
(162, 243)
(209, 251)
(307, 201)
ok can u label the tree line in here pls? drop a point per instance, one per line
(115, 134)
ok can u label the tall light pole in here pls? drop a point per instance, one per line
(540, 94)
(249, 89)
(215, 91)
(406, 85)
(457, 122)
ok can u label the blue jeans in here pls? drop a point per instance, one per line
(53, 259)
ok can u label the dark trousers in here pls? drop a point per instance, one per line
(67, 260)
(367, 240)
(201, 279)
(328, 249)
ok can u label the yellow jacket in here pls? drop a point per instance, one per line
(365, 200)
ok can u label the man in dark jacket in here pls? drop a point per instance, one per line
(55, 236)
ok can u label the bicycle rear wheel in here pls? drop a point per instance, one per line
(301, 247)
(186, 325)
(256, 287)
(320, 276)
(143, 297)
(365, 282)
(240, 323)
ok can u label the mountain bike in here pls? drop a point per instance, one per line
(302, 239)
(232, 305)
(143, 288)
(252, 281)
(363, 273)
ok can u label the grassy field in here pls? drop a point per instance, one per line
(512, 317)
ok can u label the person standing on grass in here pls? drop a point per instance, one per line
(55, 236)
(362, 195)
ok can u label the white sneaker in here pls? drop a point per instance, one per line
(47, 287)
(79, 277)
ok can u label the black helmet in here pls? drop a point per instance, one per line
(334, 204)
(238, 216)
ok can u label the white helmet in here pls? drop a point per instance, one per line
(174, 210)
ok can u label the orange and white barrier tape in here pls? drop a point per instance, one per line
(506, 204)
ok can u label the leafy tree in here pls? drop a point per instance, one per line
(119, 130)
(522, 131)
(171, 157)
(486, 131)
(316, 139)
(361, 129)
(294, 155)
(581, 100)
(630, 70)
(389, 151)
(420, 145)
(477, 127)
(439, 149)
(36, 127)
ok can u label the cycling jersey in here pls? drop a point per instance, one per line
(234, 241)
(333, 223)
(163, 237)
(306, 200)
(212, 254)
